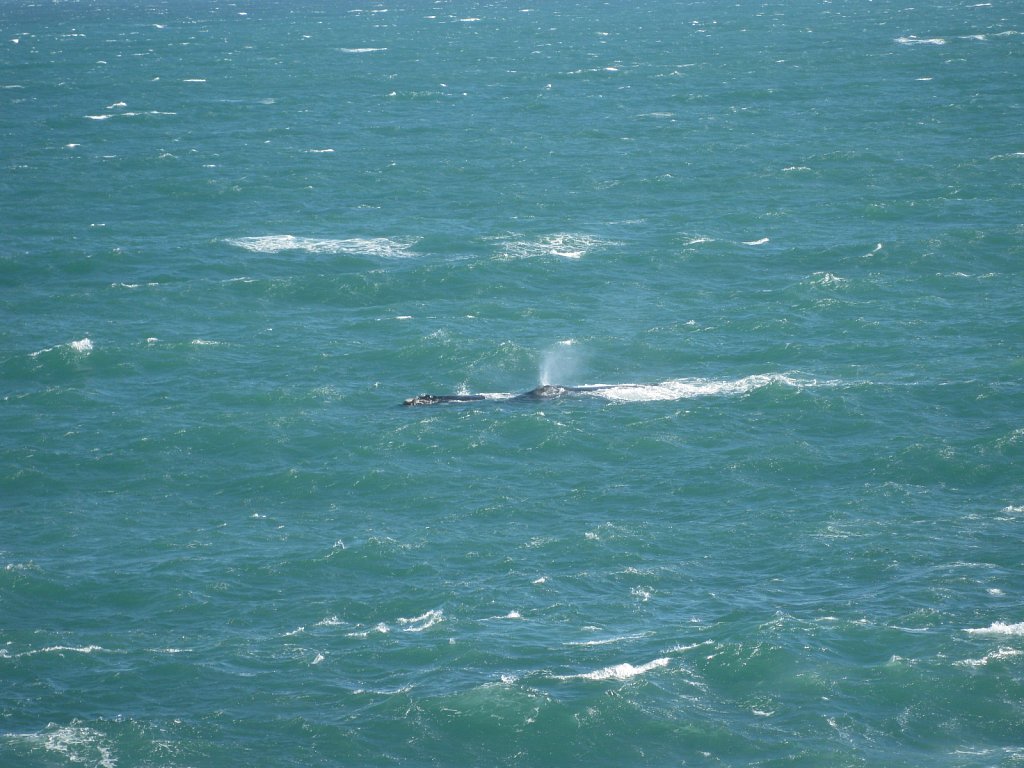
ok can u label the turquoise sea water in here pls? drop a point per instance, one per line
(235, 237)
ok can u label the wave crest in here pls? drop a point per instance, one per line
(623, 671)
(384, 247)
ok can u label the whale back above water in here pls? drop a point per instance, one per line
(543, 392)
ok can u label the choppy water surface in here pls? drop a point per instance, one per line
(785, 238)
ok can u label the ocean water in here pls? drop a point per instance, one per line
(235, 236)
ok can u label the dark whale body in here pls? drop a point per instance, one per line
(543, 392)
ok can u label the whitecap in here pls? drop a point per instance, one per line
(617, 671)
(77, 744)
(381, 629)
(607, 640)
(422, 622)
(999, 628)
(998, 655)
(915, 40)
(384, 247)
(362, 50)
(85, 649)
(762, 241)
(692, 646)
(84, 346)
(827, 279)
(567, 245)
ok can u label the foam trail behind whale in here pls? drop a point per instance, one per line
(673, 389)
(683, 389)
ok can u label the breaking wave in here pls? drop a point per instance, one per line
(384, 247)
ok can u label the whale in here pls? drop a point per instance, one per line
(543, 392)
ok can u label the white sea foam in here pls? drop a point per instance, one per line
(915, 40)
(361, 50)
(692, 646)
(999, 628)
(380, 629)
(84, 649)
(107, 116)
(567, 245)
(608, 640)
(422, 622)
(384, 247)
(617, 671)
(509, 615)
(762, 241)
(82, 345)
(827, 279)
(998, 655)
(75, 743)
(681, 389)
